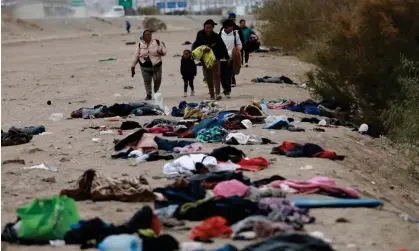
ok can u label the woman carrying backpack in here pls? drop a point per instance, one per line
(149, 55)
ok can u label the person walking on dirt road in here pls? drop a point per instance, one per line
(208, 37)
(149, 55)
(247, 31)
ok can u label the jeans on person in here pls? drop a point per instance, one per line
(226, 70)
(151, 74)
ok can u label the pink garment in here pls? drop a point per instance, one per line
(230, 188)
(152, 51)
(147, 143)
(192, 148)
(282, 105)
(315, 185)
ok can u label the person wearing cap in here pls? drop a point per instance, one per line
(208, 37)
(232, 17)
(231, 40)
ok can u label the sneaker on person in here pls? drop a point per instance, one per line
(233, 85)
(212, 98)
(185, 94)
(219, 97)
(247, 65)
(205, 83)
(148, 97)
(228, 96)
(192, 93)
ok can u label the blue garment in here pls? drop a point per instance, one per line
(204, 124)
(169, 145)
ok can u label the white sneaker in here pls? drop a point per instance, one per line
(192, 93)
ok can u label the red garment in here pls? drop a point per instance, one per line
(161, 129)
(286, 146)
(326, 155)
(253, 164)
(155, 224)
(211, 227)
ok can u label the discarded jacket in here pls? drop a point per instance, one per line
(307, 150)
(93, 186)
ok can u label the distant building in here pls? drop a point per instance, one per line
(31, 9)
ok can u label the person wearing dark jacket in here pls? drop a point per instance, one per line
(188, 71)
(208, 37)
(232, 17)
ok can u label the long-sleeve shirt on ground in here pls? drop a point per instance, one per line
(149, 55)
(214, 42)
(188, 68)
(231, 40)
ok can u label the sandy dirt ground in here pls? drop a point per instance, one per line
(66, 71)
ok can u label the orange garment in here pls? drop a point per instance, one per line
(211, 227)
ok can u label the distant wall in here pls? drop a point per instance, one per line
(29, 10)
(80, 12)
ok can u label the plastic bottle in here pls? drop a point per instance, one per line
(158, 100)
(264, 107)
(122, 242)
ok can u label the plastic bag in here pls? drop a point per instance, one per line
(47, 218)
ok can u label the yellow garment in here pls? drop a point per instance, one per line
(208, 58)
(147, 232)
(192, 113)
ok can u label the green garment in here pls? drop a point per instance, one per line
(246, 34)
(47, 219)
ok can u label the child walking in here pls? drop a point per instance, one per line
(188, 71)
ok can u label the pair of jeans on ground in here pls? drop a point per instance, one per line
(220, 73)
(152, 74)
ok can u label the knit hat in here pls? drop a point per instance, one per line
(231, 15)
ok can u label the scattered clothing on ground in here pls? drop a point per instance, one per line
(307, 150)
(93, 186)
(276, 80)
(213, 135)
(318, 184)
(212, 227)
(290, 242)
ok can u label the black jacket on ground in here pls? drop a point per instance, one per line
(187, 68)
(214, 41)
(237, 28)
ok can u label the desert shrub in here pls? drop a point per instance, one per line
(148, 10)
(402, 116)
(154, 24)
(356, 46)
(293, 24)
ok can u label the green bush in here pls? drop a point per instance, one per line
(148, 11)
(356, 46)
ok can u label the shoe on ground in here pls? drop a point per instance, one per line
(185, 94)
(233, 85)
(205, 83)
(247, 65)
(212, 98)
(192, 93)
(228, 96)
(219, 97)
(148, 97)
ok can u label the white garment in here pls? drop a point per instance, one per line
(186, 164)
(229, 40)
(244, 139)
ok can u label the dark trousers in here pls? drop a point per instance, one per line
(245, 55)
(187, 81)
(226, 76)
